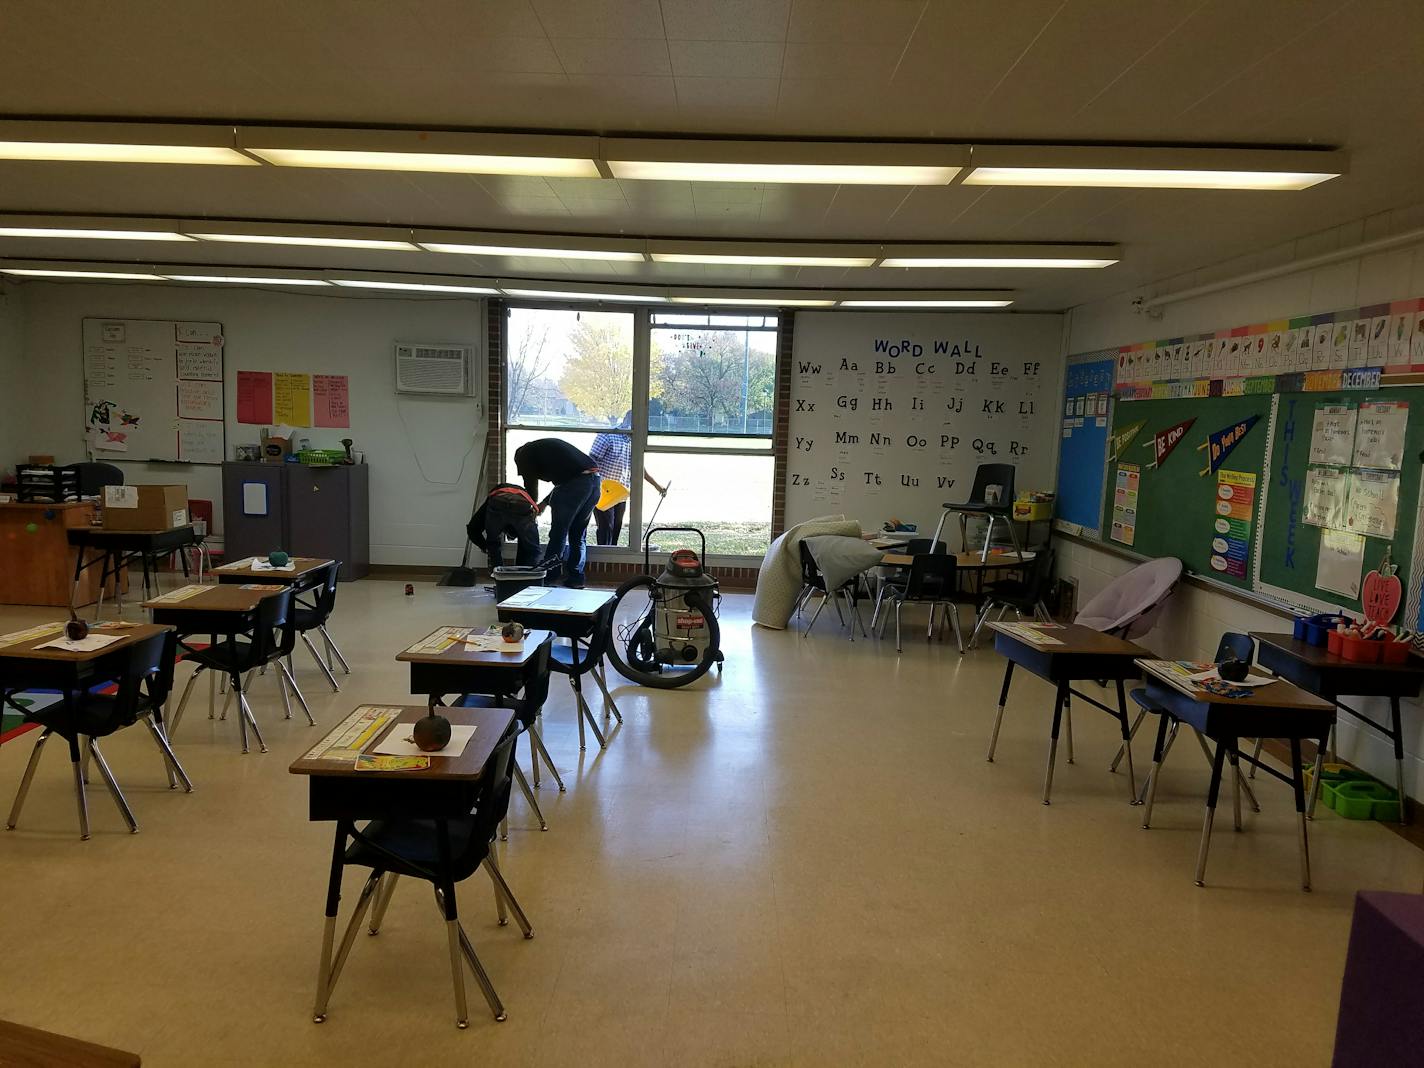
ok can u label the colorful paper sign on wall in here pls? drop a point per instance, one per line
(331, 401)
(1235, 505)
(1164, 441)
(291, 399)
(1124, 518)
(1123, 438)
(1220, 443)
(254, 397)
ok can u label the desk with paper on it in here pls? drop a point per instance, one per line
(1033, 633)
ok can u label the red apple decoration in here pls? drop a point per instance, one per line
(1381, 595)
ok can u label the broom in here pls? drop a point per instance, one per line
(464, 575)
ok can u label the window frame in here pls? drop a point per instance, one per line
(642, 369)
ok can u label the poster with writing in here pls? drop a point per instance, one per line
(1235, 503)
(291, 399)
(1332, 436)
(199, 400)
(1379, 435)
(331, 401)
(200, 441)
(1124, 520)
(1327, 492)
(1374, 501)
(254, 397)
(1342, 555)
(200, 362)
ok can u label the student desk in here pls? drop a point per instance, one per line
(29, 1046)
(1277, 710)
(25, 666)
(242, 571)
(447, 790)
(1312, 668)
(118, 548)
(1066, 654)
(572, 614)
(459, 669)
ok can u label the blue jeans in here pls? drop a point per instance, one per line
(571, 506)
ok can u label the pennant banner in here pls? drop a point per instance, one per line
(1164, 441)
(1220, 443)
(1123, 438)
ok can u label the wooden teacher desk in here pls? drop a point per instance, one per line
(37, 566)
(1064, 654)
(1327, 675)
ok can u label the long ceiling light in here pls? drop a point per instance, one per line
(548, 294)
(317, 242)
(994, 262)
(764, 261)
(118, 276)
(925, 303)
(242, 280)
(790, 162)
(1133, 167)
(759, 302)
(413, 287)
(76, 152)
(93, 235)
(437, 152)
(541, 253)
(429, 162)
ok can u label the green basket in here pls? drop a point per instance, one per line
(1365, 800)
(321, 456)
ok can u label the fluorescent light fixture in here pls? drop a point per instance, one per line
(788, 162)
(319, 242)
(78, 152)
(542, 253)
(238, 280)
(928, 303)
(991, 262)
(542, 294)
(758, 302)
(415, 287)
(114, 275)
(99, 235)
(1129, 167)
(429, 162)
(765, 261)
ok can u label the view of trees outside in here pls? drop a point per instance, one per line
(707, 376)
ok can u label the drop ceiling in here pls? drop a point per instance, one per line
(1299, 72)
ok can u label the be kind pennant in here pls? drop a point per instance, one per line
(1164, 441)
(1220, 443)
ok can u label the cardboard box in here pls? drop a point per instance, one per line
(145, 507)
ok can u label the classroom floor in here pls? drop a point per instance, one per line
(807, 862)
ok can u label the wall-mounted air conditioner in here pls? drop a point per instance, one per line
(433, 369)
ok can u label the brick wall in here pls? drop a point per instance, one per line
(615, 573)
(494, 403)
(782, 422)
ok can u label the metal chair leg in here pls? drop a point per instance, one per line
(481, 977)
(330, 678)
(1122, 750)
(1299, 788)
(980, 618)
(529, 796)
(504, 893)
(286, 698)
(816, 615)
(1068, 724)
(183, 701)
(1255, 756)
(113, 785)
(1159, 755)
(898, 605)
(384, 893)
(538, 741)
(1235, 789)
(1003, 700)
(79, 791)
(169, 759)
(27, 778)
(608, 703)
(952, 610)
(330, 970)
(332, 648)
(292, 682)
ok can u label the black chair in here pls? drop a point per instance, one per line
(1022, 595)
(442, 853)
(584, 656)
(899, 576)
(1000, 510)
(814, 581)
(1232, 646)
(528, 706)
(933, 580)
(93, 477)
(145, 680)
(273, 638)
(319, 587)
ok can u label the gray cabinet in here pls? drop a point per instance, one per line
(310, 511)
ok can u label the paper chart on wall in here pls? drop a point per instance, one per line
(1374, 501)
(1379, 435)
(1332, 436)
(199, 361)
(1327, 493)
(291, 399)
(1124, 519)
(1342, 556)
(199, 400)
(1235, 505)
(200, 441)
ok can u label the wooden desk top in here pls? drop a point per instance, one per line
(108, 532)
(461, 654)
(127, 635)
(305, 565)
(27, 506)
(1279, 694)
(565, 602)
(489, 723)
(1077, 640)
(225, 598)
(965, 561)
(1317, 657)
(29, 1046)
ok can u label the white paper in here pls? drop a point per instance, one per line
(524, 598)
(1342, 556)
(1327, 494)
(1332, 436)
(1377, 352)
(237, 565)
(120, 496)
(1374, 499)
(1340, 345)
(199, 400)
(1214, 673)
(1379, 435)
(1359, 343)
(397, 743)
(81, 645)
(200, 441)
(263, 565)
(254, 498)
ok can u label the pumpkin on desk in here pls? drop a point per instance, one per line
(431, 733)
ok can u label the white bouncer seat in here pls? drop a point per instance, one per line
(1130, 605)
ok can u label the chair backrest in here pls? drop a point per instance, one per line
(810, 573)
(602, 633)
(94, 476)
(1001, 475)
(932, 575)
(275, 633)
(146, 678)
(1040, 574)
(1236, 645)
(491, 804)
(917, 546)
(536, 685)
(323, 581)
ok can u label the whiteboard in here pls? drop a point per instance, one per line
(892, 413)
(153, 390)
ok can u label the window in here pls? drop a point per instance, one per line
(703, 434)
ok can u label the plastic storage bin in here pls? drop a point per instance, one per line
(1360, 650)
(1366, 800)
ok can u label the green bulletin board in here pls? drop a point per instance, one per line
(1176, 505)
(1291, 547)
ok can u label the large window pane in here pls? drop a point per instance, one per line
(568, 368)
(728, 497)
(713, 374)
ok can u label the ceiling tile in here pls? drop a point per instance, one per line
(720, 100)
(726, 20)
(834, 60)
(626, 19)
(726, 59)
(854, 20)
(601, 55)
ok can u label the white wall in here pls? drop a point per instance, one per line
(11, 401)
(424, 453)
(1198, 617)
